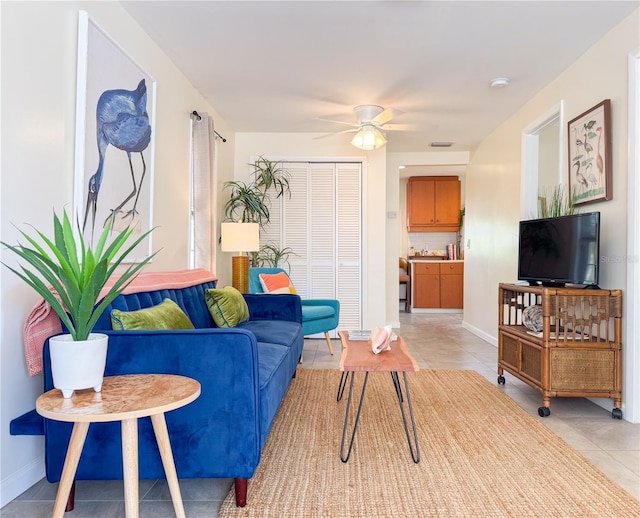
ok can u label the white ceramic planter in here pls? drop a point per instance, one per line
(78, 365)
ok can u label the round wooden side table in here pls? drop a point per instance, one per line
(123, 398)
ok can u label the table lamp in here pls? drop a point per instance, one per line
(240, 237)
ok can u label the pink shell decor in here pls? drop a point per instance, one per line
(380, 339)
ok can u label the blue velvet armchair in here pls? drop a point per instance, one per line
(318, 315)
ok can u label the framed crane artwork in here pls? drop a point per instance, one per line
(590, 174)
(115, 117)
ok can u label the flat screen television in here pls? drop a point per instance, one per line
(561, 250)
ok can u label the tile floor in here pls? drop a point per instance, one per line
(437, 341)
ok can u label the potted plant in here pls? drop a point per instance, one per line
(250, 202)
(72, 277)
(271, 255)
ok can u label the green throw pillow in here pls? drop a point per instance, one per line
(166, 315)
(227, 306)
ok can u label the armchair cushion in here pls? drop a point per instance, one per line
(166, 315)
(227, 306)
(312, 312)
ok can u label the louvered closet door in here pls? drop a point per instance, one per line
(321, 223)
(348, 223)
(295, 226)
(322, 232)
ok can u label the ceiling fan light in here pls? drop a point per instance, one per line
(369, 138)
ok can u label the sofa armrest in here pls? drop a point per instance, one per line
(30, 423)
(217, 435)
(274, 307)
(334, 303)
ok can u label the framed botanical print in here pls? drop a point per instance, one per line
(590, 174)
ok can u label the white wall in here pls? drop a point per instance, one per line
(303, 146)
(493, 180)
(39, 43)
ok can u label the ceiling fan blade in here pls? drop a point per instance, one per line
(336, 133)
(397, 127)
(355, 124)
(386, 116)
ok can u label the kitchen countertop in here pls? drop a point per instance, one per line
(433, 258)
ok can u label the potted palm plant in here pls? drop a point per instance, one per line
(271, 255)
(250, 202)
(72, 277)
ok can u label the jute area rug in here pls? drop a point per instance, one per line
(482, 456)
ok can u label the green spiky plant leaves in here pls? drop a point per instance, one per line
(556, 201)
(271, 255)
(76, 272)
(250, 202)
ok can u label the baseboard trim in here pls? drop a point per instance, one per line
(479, 332)
(18, 482)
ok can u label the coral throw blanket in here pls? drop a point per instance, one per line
(42, 322)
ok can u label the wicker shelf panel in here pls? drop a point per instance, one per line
(583, 370)
(509, 350)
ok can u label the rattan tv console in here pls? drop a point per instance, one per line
(579, 351)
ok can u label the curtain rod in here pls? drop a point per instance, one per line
(198, 117)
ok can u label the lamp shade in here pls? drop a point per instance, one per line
(240, 237)
(369, 137)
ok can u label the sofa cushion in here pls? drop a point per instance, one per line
(276, 283)
(274, 331)
(274, 379)
(316, 312)
(166, 315)
(227, 306)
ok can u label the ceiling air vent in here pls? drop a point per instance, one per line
(441, 144)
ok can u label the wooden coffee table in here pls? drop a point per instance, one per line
(357, 356)
(123, 398)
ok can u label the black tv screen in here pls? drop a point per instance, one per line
(561, 250)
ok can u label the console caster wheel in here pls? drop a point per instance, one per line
(501, 380)
(543, 411)
(616, 413)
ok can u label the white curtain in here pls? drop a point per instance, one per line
(203, 182)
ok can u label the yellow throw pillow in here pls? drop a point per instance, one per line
(166, 315)
(227, 306)
(275, 283)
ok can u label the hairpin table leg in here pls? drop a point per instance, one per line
(344, 377)
(415, 448)
(346, 417)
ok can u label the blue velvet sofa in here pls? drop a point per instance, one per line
(244, 373)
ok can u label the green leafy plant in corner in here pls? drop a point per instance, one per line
(251, 202)
(246, 203)
(76, 272)
(271, 255)
(556, 201)
(270, 175)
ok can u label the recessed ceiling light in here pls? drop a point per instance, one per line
(499, 82)
(441, 144)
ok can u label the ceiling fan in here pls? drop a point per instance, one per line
(371, 126)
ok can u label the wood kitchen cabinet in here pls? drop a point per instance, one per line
(451, 285)
(438, 284)
(426, 285)
(433, 204)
